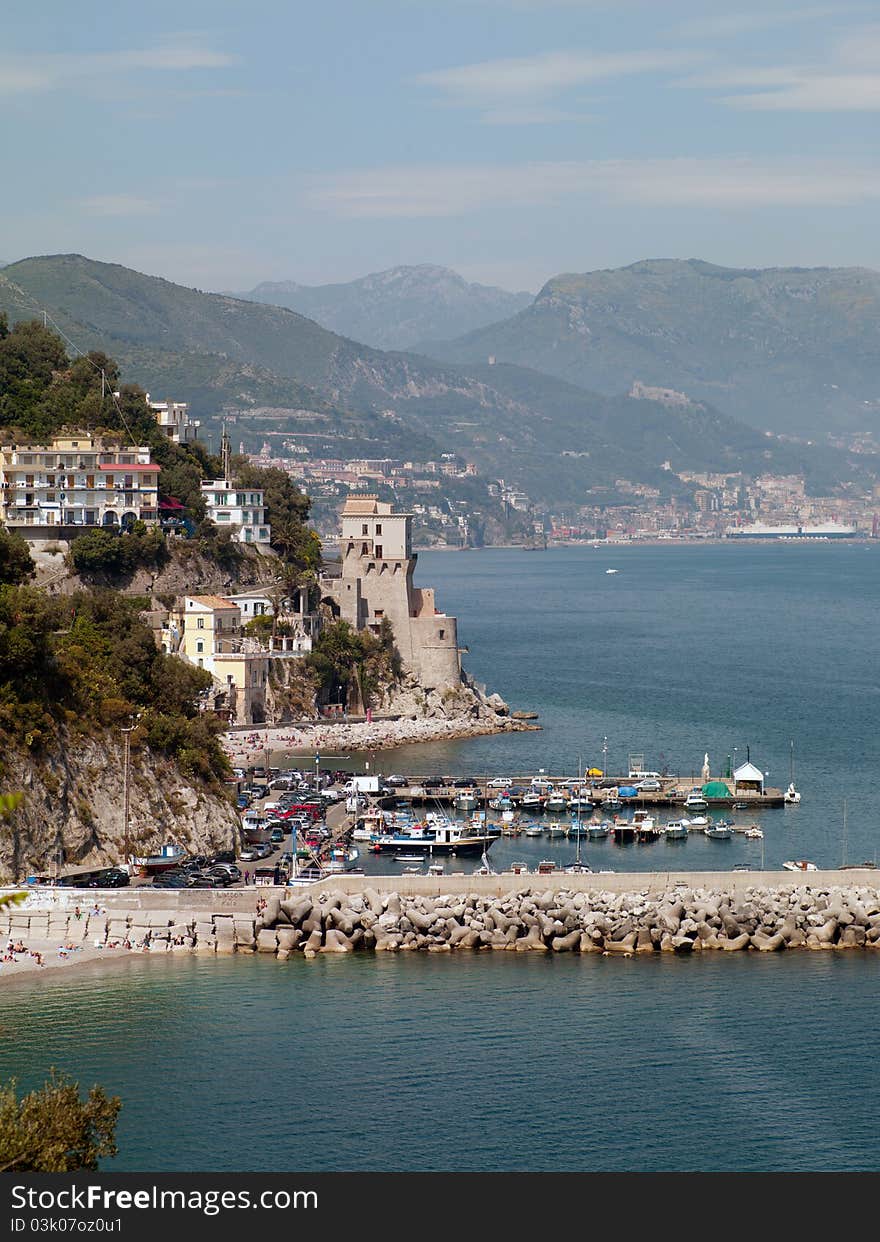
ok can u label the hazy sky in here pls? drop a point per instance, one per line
(221, 143)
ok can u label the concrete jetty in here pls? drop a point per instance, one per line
(617, 914)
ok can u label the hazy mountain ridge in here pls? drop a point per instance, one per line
(550, 437)
(793, 350)
(397, 308)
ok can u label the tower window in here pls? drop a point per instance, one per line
(365, 530)
(442, 633)
(379, 551)
(378, 528)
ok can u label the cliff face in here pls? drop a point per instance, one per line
(73, 802)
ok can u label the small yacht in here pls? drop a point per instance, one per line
(695, 800)
(597, 832)
(556, 829)
(467, 801)
(791, 797)
(611, 571)
(531, 801)
(535, 830)
(556, 801)
(800, 864)
(677, 830)
(645, 826)
(718, 832)
(754, 833)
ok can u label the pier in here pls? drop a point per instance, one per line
(673, 792)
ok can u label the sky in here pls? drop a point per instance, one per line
(220, 143)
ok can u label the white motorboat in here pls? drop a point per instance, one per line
(754, 833)
(718, 832)
(556, 829)
(597, 831)
(791, 797)
(556, 802)
(677, 830)
(467, 801)
(695, 800)
(407, 858)
(800, 864)
(531, 801)
(534, 830)
(701, 821)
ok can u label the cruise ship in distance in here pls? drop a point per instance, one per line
(760, 530)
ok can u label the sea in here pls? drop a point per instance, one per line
(503, 1062)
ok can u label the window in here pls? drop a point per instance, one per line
(108, 480)
(365, 551)
(378, 528)
(200, 623)
(442, 633)
(365, 530)
(200, 646)
(379, 551)
(379, 613)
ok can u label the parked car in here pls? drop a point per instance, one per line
(433, 782)
(398, 780)
(223, 856)
(277, 837)
(499, 782)
(112, 877)
(648, 786)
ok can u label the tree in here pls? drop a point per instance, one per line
(52, 1130)
(16, 564)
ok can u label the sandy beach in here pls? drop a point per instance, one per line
(246, 748)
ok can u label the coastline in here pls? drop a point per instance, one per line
(247, 747)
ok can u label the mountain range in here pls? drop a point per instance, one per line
(397, 308)
(274, 370)
(792, 350)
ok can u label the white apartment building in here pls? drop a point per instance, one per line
(239, 509)
(78, 480)
(173, 417)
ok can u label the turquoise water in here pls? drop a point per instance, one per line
(483, 1062)
(492, 1062)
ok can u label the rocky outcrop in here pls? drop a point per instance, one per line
(72, 806)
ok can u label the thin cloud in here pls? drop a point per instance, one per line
(729, 25)
(847, 81)
(425, 191)
(547, 73)
(119, 205)
(28, 74)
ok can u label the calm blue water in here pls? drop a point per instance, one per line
(486, 1062)
(686, 650)
(493, 1062)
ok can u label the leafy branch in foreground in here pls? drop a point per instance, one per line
(52, 1130)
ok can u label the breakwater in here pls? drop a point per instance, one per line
(575, 915)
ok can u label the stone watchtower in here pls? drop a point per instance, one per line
(377, 582)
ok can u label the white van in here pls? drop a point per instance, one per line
(643, 776)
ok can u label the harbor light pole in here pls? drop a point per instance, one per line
(126, 732)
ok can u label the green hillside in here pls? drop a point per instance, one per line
(278, 374)
(792, 350)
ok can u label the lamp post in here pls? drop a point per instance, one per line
(126, 732)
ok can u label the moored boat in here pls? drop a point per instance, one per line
(677, 830)
(800, 864)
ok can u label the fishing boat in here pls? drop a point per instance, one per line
(341, 858)
(695, 800)
(646, 828)
(546, 866)
(800, 864)
(556, 801)
(518, 868)
(531, 801)
(534, 830)
(154, 864)
(556, 829)
(623, 832)
(718, 832)
(503, 803)
(466, 800)
(598, 832)
(677, 830)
